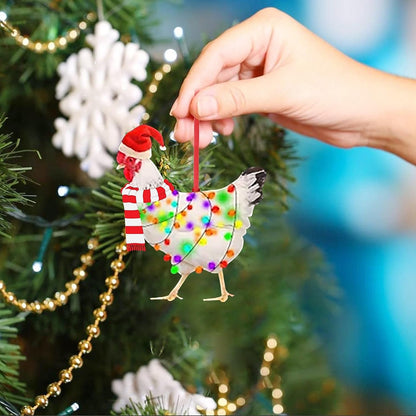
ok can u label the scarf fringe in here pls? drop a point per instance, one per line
(136, 247)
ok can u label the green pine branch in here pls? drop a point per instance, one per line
(11, 175)
(11, 388)
(151, 406)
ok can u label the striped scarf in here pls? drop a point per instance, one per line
(132, 197)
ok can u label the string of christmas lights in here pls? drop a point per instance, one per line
(50, 46)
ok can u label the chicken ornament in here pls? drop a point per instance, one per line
(197, 231)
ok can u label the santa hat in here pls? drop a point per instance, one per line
(137, 143)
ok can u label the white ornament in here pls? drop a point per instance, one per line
(154, 382)
(99, 99)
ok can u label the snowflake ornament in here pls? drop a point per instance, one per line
(98, 98)
(154, 382)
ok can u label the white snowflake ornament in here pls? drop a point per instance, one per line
(154, 382)
(98, 98)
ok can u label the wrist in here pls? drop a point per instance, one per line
(394, 125)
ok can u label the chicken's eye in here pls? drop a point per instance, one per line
(130, 160)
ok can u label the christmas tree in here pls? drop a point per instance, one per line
(75, 76)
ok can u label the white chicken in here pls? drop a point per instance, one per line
(197, 230)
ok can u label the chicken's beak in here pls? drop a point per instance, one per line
(121, 166)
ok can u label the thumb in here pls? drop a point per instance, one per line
(234, 98)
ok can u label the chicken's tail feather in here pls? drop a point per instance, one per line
(256, 178)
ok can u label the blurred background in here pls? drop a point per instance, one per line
(359, 205)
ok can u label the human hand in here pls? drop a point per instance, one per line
(271, 64)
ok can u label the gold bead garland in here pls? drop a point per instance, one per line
(85, 345)
(225, 406)
(271, 353)
(61, 297)
(50, 46)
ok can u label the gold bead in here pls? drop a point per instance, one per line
(277, 393)
(51, 46)
(152, 88)
(121, 248)
(36, 306)
(87, 259)
(84, 346)
(61, 298)
(73, 34)
(271, 343)
(80, 273)
(54, 389)
(278, 409)
(10, 297)
(62, 42)
(92, 243)
(100, 314)
(106, 298)
(118, 265)
(23, 305)
(76, 361)
(72, 286)
(91, 16)
(166, 68)
(112, 282)
(41, 401)
(65, 376)
(27, 411)
(93, 330)
(49, 304)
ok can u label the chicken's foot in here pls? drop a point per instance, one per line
(174, 292)
(224, 294)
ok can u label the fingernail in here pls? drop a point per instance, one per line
(175, 104)
(207, 106)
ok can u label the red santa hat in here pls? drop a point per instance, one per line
(137, 143)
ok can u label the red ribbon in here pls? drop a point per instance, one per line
(196, 155)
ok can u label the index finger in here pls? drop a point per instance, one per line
(235, 46)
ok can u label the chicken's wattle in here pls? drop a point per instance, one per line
(131, 165)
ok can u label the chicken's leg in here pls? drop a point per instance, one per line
(174, 292)
(224, 294)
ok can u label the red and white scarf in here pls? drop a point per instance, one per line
(132, 197)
